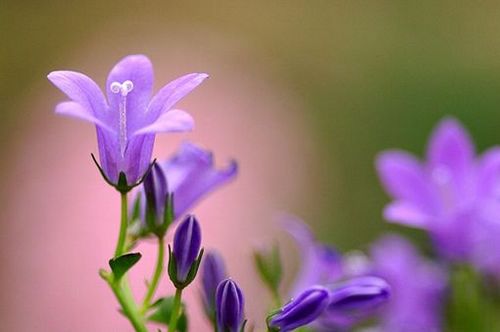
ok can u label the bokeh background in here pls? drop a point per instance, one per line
(302, 93)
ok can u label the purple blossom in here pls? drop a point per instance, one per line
(213, 272)
(453, 195)
(417, 287)
(186, 250)
(191, 174)
(303, 310)
(128, 120)
(230, 305)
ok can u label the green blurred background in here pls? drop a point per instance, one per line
(370, 75)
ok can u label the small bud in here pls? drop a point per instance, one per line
(306, 308)
(185, 258)
(213, 271)
(230, 307)
(158, 210)
(268, 265)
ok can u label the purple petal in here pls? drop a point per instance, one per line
(405, 179)
(401, 211)
(139, 70)
(74, 109)
(174, 91)
(171, 121)
(82, 90)
(451, 152)
(489, 174)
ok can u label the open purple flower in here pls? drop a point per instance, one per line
(418, 287)
(452, 195)
(128, 120)
(191, 174)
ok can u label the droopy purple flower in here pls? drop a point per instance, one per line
(127, 122)
(417, 287)
(230, 305)
(191, 174)
(353, 300)
(452, 195)
(213, 272)
(185, 256)
(300, 311)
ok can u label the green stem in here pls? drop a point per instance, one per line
(172, 325)
(156, 276)
(123, 225)
(276, 298)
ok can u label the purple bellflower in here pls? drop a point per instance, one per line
(213, 272)
(453, 195)
(230, 307)
(191, 174)
(128, 120)
(303, 310)
(187, 176)
(418, 287)
(185, 257)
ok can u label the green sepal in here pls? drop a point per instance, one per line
(168, 215)
(193, 270)
(122, 186)
(121, 264)
(163, 310)
(269, 267)
(243, 325)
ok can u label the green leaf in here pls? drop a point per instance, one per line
(268, 266)
(121, 264)
(163, 311)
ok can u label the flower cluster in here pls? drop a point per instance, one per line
(454, 196)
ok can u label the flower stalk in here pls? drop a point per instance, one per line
(123, 226)
(153, 285)
(176, 310)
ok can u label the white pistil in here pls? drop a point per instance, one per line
(123, 89)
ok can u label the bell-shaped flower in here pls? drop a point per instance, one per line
(453, 194)
(127, 121)
(303, 310)
(185, 257)
(418, 287)
(230, 307)
(191, 174)
(213, 272)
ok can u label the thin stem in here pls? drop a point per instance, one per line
(276, 297)
(156, 276)
(123, 225)
(172, 325)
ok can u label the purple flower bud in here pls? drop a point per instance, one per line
(187, 242)
(355, 299)
(156, 191)
(213, 271)
(230, 307)
(301, 311)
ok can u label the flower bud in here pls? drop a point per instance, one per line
(301, 311)
(229, 307)
(354, 300)
(185, 258)
(213, 271)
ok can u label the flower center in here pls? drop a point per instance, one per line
(123, 89)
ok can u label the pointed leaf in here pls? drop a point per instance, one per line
(121, 264)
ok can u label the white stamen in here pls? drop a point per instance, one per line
(123, 89)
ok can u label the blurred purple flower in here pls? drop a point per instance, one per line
(191, 174)
(418, 287)
(127, 122)
(213, 272)
(303, 310)
(230, 305)
(453, 195)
